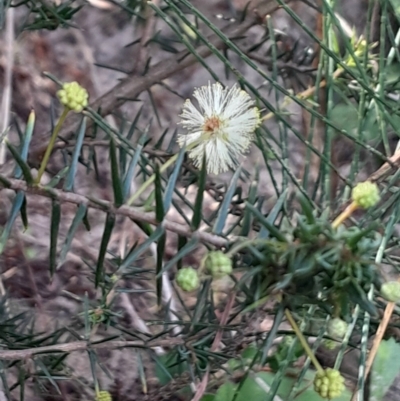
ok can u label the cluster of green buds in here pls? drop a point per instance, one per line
(365, 194)
(215, 263)
(188, 279)
(391, 291)
(218, 264)
(329, 383)
(73, 96)
(103, 396)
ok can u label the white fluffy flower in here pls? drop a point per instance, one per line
(222, 129)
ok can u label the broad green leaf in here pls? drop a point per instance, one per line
(226, 392)
(385, 369)
(346, 116)
(208, 397)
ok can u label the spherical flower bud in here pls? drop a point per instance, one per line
(188, 279)
(218, 264)
(103, 396)
(391, 291)
(337, 328)
(365, 194)
(73, 96)
(329, 383)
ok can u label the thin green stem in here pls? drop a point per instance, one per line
(50, 146)
(303, 341)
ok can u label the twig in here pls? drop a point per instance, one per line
(12, 355)
(375, 346)
(127, 211)
(379, 335)
(133, 86)
(385, 169)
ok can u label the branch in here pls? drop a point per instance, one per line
(12, 355)
(133, 85)
(133, 213)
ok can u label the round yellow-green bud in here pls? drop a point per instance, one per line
(73, 96)
(365, 194)
(329, 383)
(218, 264)
(103, 396)
(391, 291)
(337, 328)
(187, 279)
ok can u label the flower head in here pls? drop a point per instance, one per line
(365, 194)
(329, 383)
(223, 127)
(73, 96)
(187, 278)
(218, 264)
